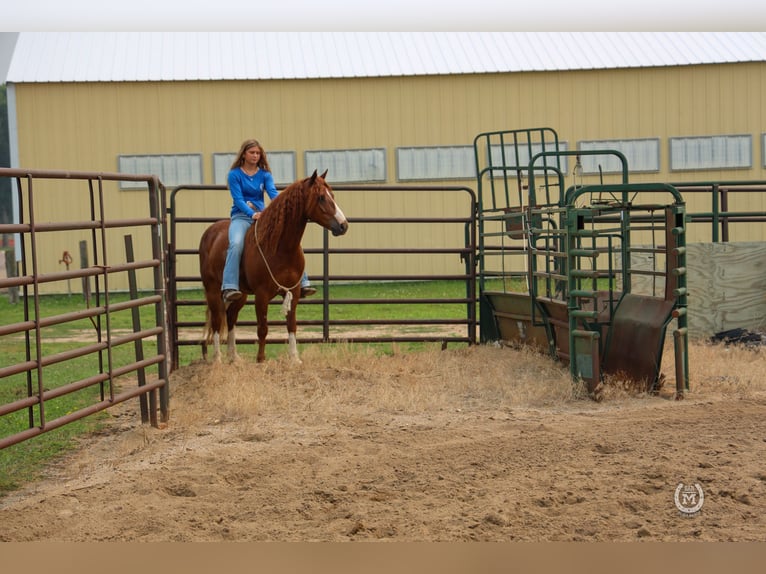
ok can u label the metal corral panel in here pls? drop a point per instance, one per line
(181, 56)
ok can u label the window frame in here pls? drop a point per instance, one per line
(467, 149)
(563, 146)
(274, 157)
(310, 164)
(138, 185)
(744, 137)
(609, 144)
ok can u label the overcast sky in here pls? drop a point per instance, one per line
(392, 15)
(7, 40)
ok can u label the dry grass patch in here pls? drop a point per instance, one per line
(346, 381)
(736, 371)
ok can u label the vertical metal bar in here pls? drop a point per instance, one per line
(25, 295)
(595, 354)
(96, 282)
(472, 273)
(716, 213)
(105, 273)
(159, 232)
(83, 265)
(724, 219)
(680, 341)
(36, 302)
(626, 247)
(680, 232)
(172, 325)
(325, 285)
(136, 315)
(571, 245)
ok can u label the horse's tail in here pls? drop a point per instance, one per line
(209, 331)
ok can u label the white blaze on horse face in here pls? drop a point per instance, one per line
(339, 217)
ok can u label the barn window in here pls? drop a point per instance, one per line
(711, 152)
(349, 166)
(443, 162)
(511, 155)
(282, 164)
(173, 170)
(643, 155)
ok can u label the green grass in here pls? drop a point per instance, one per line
(311, 310)
(25, 461)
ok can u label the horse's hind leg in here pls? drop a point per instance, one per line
(232, 313)
(213, 325)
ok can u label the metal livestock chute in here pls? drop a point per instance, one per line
(593, 274)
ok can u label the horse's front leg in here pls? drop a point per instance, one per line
(262, 317)
(231, 346)
(292, 327)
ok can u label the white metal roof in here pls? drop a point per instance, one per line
(177, 56)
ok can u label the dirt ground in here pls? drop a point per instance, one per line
(474, 443)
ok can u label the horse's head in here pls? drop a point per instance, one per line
(321, 206)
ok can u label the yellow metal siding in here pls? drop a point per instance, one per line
(84, 127)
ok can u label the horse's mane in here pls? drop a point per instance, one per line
(281, 216)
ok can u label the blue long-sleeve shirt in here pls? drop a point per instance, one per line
(244, 188)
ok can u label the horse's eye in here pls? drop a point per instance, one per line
(321, 198)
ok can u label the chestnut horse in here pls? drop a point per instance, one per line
(272, 261)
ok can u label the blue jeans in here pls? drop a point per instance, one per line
(237, 228)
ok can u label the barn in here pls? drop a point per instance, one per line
(393, 108)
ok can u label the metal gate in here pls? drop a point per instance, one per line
(40, 379)
(331, 327)
(556, 262)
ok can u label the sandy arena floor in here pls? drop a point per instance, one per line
(476, 443)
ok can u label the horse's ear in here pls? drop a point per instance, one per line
(313, 177)
(324, 175)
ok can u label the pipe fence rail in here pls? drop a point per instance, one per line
(330, 327)
(67, 365)
(72, 364)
